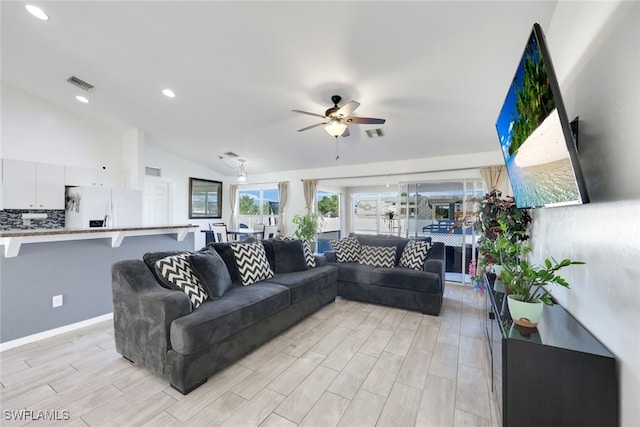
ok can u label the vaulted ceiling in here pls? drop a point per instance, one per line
(437, 71)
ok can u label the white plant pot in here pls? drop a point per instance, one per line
(525, 314)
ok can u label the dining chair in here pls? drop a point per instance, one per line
(219, 233)
(270, 231)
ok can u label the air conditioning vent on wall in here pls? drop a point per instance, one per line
(149, 171)
(80, 83)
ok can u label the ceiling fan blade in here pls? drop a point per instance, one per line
(365, 120)
(348, 108)
(308, 113)
(345, 133)
(312, 126)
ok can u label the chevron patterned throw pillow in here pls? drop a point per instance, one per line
(252, 263)
(347, 249)
(378, 256)
(414, 254)
(177, 273)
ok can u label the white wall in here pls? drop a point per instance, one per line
(178, 171)
(596, 53)
(38, 131)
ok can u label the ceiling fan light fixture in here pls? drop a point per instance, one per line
(335, 128)
(242, 174)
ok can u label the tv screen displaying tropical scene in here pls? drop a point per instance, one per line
(532, 138)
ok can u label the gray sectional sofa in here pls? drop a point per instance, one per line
(159, 329)
(186, 336)
(415, 289)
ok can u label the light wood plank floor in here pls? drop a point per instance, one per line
(349, 364)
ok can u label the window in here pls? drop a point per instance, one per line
(329, 209)
(376, 213)
(259, 206)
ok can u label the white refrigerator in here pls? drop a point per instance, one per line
(102, 207)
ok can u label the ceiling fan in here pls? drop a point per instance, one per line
(336, 118)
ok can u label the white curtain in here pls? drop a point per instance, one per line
(310, 188)
(492, 176)
(233, 198)
(283, 191)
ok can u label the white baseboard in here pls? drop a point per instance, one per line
(53, 332)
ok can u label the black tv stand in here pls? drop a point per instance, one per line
(557, 374)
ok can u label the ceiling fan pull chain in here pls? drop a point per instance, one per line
(337, 150)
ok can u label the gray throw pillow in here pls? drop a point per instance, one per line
(289, 256)
(212, 272)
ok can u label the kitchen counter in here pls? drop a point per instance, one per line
(12, 240)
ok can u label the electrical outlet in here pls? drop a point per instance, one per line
(57, 301)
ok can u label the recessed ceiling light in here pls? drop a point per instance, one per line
(169, 93)
(37, 12)
(82, 99)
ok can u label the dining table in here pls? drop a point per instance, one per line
(234, 234)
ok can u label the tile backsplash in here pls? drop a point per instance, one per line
(11, 219)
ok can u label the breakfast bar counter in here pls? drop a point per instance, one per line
(12, 240)
(72, 266)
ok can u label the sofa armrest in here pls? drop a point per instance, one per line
(142, 314)
(436, 262)
(330, 256)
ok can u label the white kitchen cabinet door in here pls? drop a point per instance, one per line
(30, 185)
(19, 184)
(49, 186)
(110, 179)
(80, 177)
(88, 177)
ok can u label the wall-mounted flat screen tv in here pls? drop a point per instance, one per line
(535, 135)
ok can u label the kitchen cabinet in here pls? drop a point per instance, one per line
(30, 185)
(88, 177)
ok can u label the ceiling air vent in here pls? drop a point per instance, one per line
(374, 133)
(230, 154)
(80, 83)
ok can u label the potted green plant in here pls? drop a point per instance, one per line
(526, 282)
(307, 227)
(503, 226)
(495, 209)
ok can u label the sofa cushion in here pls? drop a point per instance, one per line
(378, 256)
(150, 259)
(414, 254)
(354, 272)
(251, 261)
(406, 278)
(308, 253)
(176, 272)
(212, 272)
(347, 249)
(305, 283)
(288, 255)
(240, 308)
